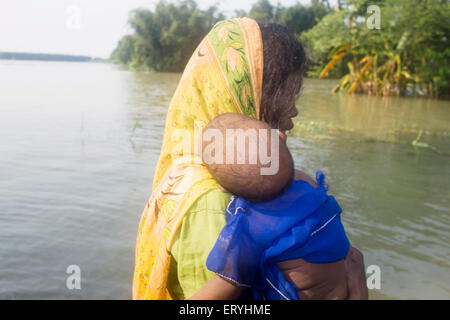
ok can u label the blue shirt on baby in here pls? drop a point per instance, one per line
(303, 222)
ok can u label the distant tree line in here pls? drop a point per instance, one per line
(44, 57)
(164, 39)
(407, 54)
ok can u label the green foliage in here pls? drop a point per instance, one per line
(299, 18)
(329, 33)
(164, 39)
(408, 55)
(124, 51)
(262, 10)
(239, 13)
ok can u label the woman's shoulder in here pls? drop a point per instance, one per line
(212, 201)
(206, 217)
(194, 239)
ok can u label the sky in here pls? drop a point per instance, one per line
(79, 27)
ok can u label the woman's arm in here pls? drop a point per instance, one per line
(354, 263)
(218, 288)
(356, 276)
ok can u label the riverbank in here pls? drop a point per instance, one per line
(47, 57)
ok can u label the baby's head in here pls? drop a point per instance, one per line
(247, 157)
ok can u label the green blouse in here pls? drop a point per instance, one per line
(193, 242)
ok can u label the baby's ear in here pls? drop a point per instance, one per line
(282, 135)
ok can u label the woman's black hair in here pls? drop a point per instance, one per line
(284, 56)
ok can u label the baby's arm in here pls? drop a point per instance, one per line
(300, 175)
(317, 281)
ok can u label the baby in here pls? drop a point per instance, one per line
(283, 236)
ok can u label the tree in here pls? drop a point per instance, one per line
(299, 18)
(328, 34)
(124, 51)
(262, 10)
(409, 54)
(164, 39)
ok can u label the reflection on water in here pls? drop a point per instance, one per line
(79, 143)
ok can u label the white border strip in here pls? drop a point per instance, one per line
(234, 281)
(286, 298)
(324, 225)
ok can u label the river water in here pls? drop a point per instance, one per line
(78, 147)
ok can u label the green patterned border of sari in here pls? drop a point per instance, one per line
(229, 45)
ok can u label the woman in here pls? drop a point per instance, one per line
(241, 66)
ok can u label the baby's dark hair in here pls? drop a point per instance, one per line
(246, 180)
(284, 56)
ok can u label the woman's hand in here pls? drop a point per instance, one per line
(356, 275)
(218, 288)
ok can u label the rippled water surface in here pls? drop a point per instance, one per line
(78, 147)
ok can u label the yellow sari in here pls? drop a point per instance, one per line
(223, 75)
